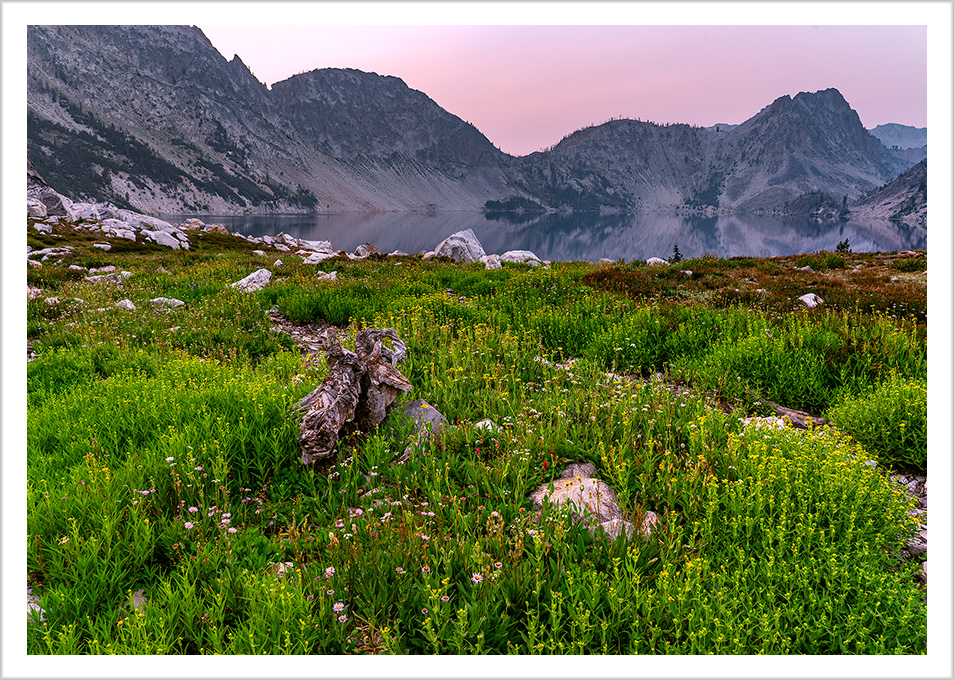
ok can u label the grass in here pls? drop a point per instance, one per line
(162, 456)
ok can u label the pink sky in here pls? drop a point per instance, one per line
(525, 87)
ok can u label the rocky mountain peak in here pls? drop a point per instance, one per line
(155, 118)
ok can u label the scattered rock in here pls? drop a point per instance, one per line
(462, 246)
(35, 207)
(280, 569)
(193, 223)
(105, 278)
(77, 268)
(604, 260)
(34, 293)
(587, 497)
(811, 300)
(521, 256)
(806, 268)
(167, 302)
(217, 229)
(486, 424)
(43, 228)
(315, 258)
(258, 252)
(327, 276)
(102, 246)
(138, 600)
(429, 423)
(656, 262)
(162, 238)
(34, 610)
(366, 250)
(491, 261)
(126, 304)
(254, 281)
(277, 263)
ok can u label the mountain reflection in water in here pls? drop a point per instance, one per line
(583, 236)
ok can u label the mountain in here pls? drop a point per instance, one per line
(900, 136)
(903, 199)
(153, 118)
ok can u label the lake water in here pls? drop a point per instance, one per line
(585, 237)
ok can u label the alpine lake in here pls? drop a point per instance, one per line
(584, 237)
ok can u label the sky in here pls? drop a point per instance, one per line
(525, 87)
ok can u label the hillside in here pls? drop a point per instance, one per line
(153, 118)
(904, 199)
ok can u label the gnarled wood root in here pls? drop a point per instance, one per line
(360, 387)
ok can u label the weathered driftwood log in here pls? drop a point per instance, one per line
(360, 387)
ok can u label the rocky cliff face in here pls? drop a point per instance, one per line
(154, 118)
(904, 199)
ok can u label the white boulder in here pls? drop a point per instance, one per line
(521, 256)
(254, 281)
(162, 238)
(656, 261)
(461, 247)
(126, 304)
(315, 258)
(811, 300)
(35, 207)
(167, 302)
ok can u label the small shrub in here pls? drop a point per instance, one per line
(910, 264)
(890, 421)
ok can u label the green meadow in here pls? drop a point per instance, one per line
(163, 461)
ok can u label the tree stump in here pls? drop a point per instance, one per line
(360, 387)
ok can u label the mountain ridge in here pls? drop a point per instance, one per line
(154, 118)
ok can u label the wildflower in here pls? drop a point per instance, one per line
(198, 468)
(170, 459)
(342, 618)
(426, 570)
(311, 597)
(193, 509)
(338, 606)
(399, 570)
(476, 578)
(232, 530)
(495, 514)
(498, 565)
(425, 537)
(545, 465)
(189, 525)
(330, 591)
(329, 572)
(424, 611)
